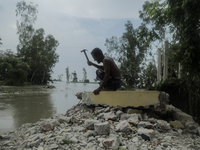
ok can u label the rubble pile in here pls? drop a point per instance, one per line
(102, 127)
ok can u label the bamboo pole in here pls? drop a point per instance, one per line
(159, 66)
(166, 53)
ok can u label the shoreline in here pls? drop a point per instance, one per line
(98, 127)
(24, 89)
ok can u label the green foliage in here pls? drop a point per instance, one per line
(84, 75)
(122, 148)
(75, 79)
(154, 13)
(186, 19)
(182, 20)
(130, 50)
(13, 71)
(178, 92)
(5, 67)
(34, 48)
(0, 42)
(60, 77)
(86, 81)
(42, 56)
(28, 16)
(67, 74)
(148, 77)
(67, 141)
(36, 55)
(95, 80)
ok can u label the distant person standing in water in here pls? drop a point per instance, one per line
(108, 74)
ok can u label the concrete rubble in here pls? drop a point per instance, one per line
(102, 127)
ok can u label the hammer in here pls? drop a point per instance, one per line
(85, 53)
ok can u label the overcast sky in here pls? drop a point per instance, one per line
(76, 24)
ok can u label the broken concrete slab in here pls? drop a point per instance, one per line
(89, 124)
(102, 128)
(163, 126)
(123, 126)
(185, 119)
(134, 119)
(178, 114)
(110, 116)
(134, 111)
(76, 137)
(176, 124)
(144, 124)
(112, 142)
(121, 98)
(146, 134)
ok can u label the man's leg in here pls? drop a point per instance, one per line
(100, 75)
(114, 84)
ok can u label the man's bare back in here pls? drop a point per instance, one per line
(114, 70)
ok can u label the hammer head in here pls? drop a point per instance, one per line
(84, 50)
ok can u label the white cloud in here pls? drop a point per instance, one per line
(93, 9)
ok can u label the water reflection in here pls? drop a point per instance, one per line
(25, 108)
(17, 109)
(34, 106)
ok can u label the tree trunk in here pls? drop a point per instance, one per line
(43, 77)
(33, 75)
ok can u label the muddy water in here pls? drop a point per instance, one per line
(28, 104)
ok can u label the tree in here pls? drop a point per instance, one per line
(67, 74)
(13, 71)
(84, 75)
(0, 42)
(25, 30)
(75, 79)
(182, 20)
(60, 77)
(6, 53)
(41, 56)
(186, 20)
(34, 55)
(34, 48)
(150, 75)
(130, 50)
(95, 80)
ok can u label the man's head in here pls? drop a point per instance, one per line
(97, 54)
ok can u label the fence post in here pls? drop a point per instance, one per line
(159, 66)
(166, 60)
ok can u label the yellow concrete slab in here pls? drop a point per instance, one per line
(123, 98)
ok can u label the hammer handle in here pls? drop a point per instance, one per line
(86, 55)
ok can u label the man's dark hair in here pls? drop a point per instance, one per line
(97, 51)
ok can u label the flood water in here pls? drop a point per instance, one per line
(33, 103)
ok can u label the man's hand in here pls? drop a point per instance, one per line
(96, 92)
(89, 63)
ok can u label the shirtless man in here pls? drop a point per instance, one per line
(108, 74)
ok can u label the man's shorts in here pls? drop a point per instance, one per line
(112, 83)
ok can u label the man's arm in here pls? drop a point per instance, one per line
(106, 77)
(95, 65)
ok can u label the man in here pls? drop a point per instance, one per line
(108, 74)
